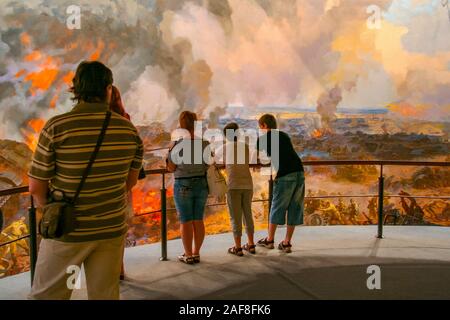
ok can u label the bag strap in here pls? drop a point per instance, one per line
(171, 148)
(93, 156)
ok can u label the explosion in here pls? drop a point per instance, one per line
(317, 134)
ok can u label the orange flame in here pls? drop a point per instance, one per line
(144, 202)
(68, 78)
(98, 51)
(33, 56)
(46, 74)
(317, 134)
(41, 80)
(32, 133)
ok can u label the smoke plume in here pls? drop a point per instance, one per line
(327, 105)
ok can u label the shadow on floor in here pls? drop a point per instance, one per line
(294, 277)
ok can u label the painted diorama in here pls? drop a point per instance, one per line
(348, 80)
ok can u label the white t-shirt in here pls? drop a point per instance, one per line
(236, 156)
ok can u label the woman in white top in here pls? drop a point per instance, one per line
(190, 187)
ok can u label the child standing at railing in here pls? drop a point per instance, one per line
(289, 185)
(236, 156)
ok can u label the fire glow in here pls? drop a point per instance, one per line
(45, 74)
(147, 201)
(31, 134)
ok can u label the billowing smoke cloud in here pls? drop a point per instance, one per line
(327, 105)
(149, 97)
(170, 55)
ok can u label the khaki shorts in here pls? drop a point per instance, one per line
(102, 260)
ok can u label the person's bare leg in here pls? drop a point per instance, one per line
(237, 242)
(289, 233)
(199, 235)
(247, 216)
(272, 230)
(251, 239)
(187, 235)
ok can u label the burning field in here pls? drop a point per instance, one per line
(145, 218)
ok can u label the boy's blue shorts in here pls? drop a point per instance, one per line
(288, 199)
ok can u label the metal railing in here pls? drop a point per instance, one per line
(163, 210)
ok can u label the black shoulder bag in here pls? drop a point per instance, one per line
(58, 218)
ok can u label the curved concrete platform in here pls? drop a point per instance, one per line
(326, 263)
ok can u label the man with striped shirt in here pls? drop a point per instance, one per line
(65, 146)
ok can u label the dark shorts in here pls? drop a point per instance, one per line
(288, 199)
(190, 198)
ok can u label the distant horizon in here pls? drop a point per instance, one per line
(371, 110)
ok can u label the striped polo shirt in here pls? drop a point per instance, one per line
(65, 146)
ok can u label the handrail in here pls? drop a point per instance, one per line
(12, 191)
(341, 163)
(22, 189)
(377, 162)
(14, 240)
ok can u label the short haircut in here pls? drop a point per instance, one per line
(232, 126)
(187, 120)
(269, 120)
(90, 81)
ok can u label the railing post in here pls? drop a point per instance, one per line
(33, 237)
(380, 203)
(270, 197)
(163, 219)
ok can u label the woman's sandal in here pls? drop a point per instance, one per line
(186, 259)
(236, 251)
(196, 258)
(250, 248)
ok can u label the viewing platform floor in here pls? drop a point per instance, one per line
(326, 263)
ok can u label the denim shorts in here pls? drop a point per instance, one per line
(288, 199)
(190, 198)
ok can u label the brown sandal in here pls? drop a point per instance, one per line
(186, 259)
(236, 251)
(285, 247)
(250, 248)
